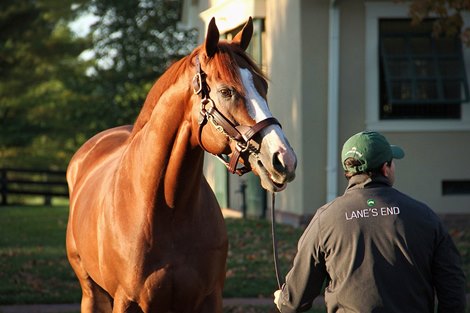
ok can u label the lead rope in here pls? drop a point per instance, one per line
(273, 234)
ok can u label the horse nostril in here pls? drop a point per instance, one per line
(284, 164)
(278, 162)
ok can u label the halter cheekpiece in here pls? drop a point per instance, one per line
(209, 112)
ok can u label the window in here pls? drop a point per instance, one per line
(421, 76)
(400, 94)
(455, 187)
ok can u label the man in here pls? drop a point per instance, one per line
(377, 249)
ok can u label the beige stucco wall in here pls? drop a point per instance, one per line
(430, 158)
(351, 83)
(284, 69)
(315, 54)
(297, 55)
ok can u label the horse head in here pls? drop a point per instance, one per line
(233, 117)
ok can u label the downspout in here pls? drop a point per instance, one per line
(333, 105)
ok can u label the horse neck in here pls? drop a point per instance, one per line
(162, 157)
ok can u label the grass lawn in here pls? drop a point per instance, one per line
(250, 265)
(34, 268)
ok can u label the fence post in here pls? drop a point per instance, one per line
(45, 183)
(47, 198)
(3, 185)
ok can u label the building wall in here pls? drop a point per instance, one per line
(426, 144)
(432, 157)
(314, 19)
(297, 55)
(352, 114)
(284, 69)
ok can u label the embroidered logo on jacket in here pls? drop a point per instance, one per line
(372, 212)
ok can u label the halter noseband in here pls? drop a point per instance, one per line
(209, 112)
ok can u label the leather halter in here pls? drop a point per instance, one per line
(209, 112)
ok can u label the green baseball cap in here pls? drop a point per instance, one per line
(372, 149)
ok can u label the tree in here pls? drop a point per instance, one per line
(449, 13)
(37, 52)
(52, 100)
(133, 42)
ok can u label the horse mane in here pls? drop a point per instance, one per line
(168, 78)
(224, 64)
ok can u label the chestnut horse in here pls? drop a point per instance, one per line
(145, 232)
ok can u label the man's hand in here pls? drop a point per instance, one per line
(277, 296)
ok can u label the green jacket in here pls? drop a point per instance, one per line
(379, 251)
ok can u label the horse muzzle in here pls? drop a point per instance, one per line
(276, 161)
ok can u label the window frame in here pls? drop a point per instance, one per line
(375, 12)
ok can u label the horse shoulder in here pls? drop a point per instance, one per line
(97, 150)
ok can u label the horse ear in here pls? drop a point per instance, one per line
(212, 39)
(244, 36)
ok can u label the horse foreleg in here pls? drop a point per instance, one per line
(122, 304)
(212, 303)
(94, 298)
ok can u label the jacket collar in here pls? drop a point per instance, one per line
(362, 181)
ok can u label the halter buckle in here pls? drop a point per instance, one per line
(242, 146)
(202, 118)
(197, 83)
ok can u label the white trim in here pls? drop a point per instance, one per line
(375, 11)
(333, 103)
(230, 14)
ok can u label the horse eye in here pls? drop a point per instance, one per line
(226, 92)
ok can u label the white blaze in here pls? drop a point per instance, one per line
(258, 109)
(274, 141)
(256, 105)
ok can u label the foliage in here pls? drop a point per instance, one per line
(133, 44)
(449, 13)
(38, 66)
(52, 97)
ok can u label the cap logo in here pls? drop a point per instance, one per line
(354, 152)
(370, 202)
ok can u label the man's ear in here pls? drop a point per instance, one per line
(385, 169)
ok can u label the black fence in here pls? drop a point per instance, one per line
(31, 182)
